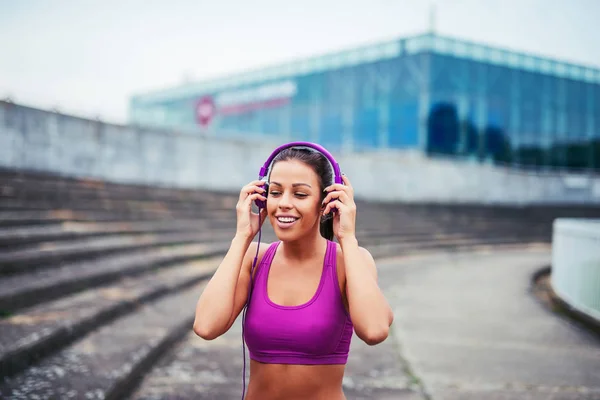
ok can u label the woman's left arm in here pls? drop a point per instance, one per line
(371, 314)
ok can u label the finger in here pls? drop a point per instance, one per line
(255, 196)
(249, 189)
(338, 186)
(334, 204)
(346, 180)
(253, 189)
(342, 196)
(257, 182)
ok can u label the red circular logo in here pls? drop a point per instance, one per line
(205, 111)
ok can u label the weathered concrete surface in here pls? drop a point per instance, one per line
(101, 364)
(43, 328)
(470, 329)
(199, 369)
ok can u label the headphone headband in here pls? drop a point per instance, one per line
(336, 168)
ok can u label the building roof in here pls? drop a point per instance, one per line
(381, 51)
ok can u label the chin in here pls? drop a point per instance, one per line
(286, 233)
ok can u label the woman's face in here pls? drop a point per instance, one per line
(294, 199)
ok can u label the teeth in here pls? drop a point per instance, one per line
(286, 219)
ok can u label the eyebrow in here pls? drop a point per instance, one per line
(293, 184)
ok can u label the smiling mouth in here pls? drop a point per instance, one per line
(287, 220)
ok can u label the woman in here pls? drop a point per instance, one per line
(308, 293)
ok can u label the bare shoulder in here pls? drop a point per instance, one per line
(363, 251)
(251, 253)
(341, 268)
(368, 260)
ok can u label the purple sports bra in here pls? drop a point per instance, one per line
(316, 332)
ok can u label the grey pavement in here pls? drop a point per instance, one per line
(469, 328)
(466, 327)
(199, 369)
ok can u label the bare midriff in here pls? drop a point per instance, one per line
(295, 382)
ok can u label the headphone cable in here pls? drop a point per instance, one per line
(250, 287)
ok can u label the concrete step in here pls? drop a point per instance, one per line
(16, 186)
(416, 236)
(43, 190)
(28, 289)
(58, 216)
(120, 206)
(26, 218)
(392, 249)
(48, 183)
(50, 254)
(19, 236)
(438, 217)
(42, 330)
(107, 362)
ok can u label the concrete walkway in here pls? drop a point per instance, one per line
(466, 327)
(469, 328)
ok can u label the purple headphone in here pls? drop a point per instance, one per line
(265, 168)
(263, 204)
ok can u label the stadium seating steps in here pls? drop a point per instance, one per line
(99, 280)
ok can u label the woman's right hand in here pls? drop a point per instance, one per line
(248, 222)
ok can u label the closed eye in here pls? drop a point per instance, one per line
(297, 194)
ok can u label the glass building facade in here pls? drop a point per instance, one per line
(442, 96)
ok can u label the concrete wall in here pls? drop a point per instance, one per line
(39, 140)
(576, 264)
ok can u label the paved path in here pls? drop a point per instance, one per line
(198, 369)
(470, 329)
(466, 327)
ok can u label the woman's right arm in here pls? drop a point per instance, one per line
(226, 293)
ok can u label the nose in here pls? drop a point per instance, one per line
(285, 200)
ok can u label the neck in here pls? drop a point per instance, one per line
(304, 248)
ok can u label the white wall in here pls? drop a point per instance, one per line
(576, 264)
(39, 140)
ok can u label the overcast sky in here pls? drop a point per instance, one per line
(87, 57)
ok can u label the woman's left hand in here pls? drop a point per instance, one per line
(344, 220)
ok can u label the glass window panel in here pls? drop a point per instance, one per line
(300, 124)
(496, 56)
(477, 52)
(499, 81)
(531, 84)
(403, 124)
(546, 66)
(589, 75)
(331, 129)
(366, 128)
(395, 48)
(460, 49)
(529, 63)
(513, 60)
(411, 45)
(560, 69)
(443, 129)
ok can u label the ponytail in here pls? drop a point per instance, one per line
(326, 227)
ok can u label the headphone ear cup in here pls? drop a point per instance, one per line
(263, 203)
